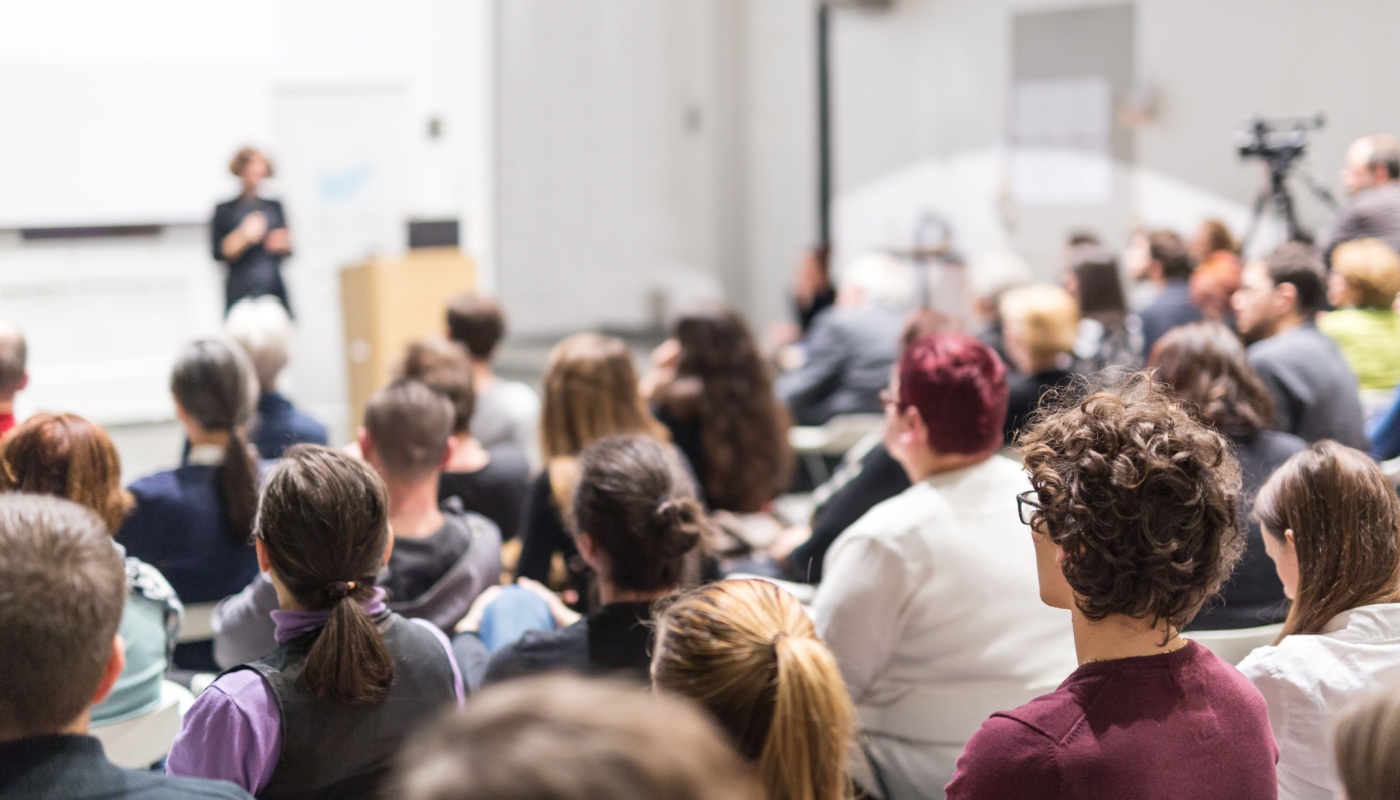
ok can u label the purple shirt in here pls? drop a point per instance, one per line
(234, 730)
(1184, 724)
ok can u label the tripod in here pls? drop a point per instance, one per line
(1278, 194)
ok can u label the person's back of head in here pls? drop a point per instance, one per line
(747, 651)
(1371, 160)
(1206, 364)
(66, 456)
(64, 587)
(262, 327)
(1040, 323)
(1366, 741)
(477, 323)
(591, 391)
(1299, 265)
(1098, 288)
(567, 738)
(14, 360)
(958, 386)
(1370, 272)
(877, 279)
(635, 505)
(407, 430)
(323, 533)
(1169, 252)
(445, 367)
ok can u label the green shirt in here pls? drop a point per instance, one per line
(1370, 341)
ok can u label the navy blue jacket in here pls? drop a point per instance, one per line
(280, 425)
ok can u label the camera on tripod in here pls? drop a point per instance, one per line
(1277, 140)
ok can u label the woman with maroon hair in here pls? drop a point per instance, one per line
(929, 601)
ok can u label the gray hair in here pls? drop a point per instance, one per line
(262, 327)
(882, 279)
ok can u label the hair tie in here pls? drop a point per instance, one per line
(340, 589)
(779, 636)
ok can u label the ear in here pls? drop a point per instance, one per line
(366, 444)
(1287, 295)
(264, 564)
(389, 546)
(1289, 540)
(448, 450)
(588, 549)
(116, 662)
(23, 383)
(915, 432)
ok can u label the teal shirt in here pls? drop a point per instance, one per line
(149, 623)
(1370, 342)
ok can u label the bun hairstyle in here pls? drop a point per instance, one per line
(214, 384)
(324, 522)
(637, 503)
(747, 651)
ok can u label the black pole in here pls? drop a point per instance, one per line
(824, 126)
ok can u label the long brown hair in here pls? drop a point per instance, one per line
(747, 651)
(1367, 739)
(66, 456)
(324, 522)
(1345, 519)
(1205, 363)
(722, 381)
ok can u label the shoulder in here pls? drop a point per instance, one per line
(151, 785)
(541, 651)
(148, 582)
(1006, 758)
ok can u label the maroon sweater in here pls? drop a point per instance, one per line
(1181, 725)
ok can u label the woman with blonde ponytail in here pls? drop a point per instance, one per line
(747, 651)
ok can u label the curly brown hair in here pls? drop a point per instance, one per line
(1205, 363)
(1141, 497)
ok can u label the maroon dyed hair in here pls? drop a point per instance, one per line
(959, 386)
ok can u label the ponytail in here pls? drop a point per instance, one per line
(349, 663)
(238, 480)
(804, 757)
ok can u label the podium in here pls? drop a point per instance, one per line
(388, 303)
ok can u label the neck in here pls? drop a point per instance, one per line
(482, 375)
(413, 508)
(926, 464)
(7, 406)
(467, 454)
(1121, 636)
(199, 436)
(1287, 323)
(609, 594)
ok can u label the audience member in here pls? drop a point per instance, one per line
(1041, 323)
(1169, 268)
(443, 557)
(712, 390)
(1330, 521)
(490, 482)
(812, 289)
(590, 391)
(193, 523)
(507, 412)
(60, 651)
(928, 601)
(851, 346)
(1107, 337)
(1362, 287)
(1206, 365)
(1370, 176)
(747, 651)
(1315, 392)
(263, 329)
(66, 456)
(250, 234)
(345, 663)
(638, 524)
(1367, 739)
(989, 277)
(1135, 521)
(566, 738)
(14, 374)
(1218, 269)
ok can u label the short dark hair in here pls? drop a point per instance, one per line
(476, 322)
(1299, 264)
(14, 358)
(1205, 363)
(1142, 498)
(1167, 248)
(409, 424)
(446, 369)
(1098, 285)
(1081, 237)
(64, 590)
(959, 387)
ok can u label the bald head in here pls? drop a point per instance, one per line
(1371, 161)
(14, 356)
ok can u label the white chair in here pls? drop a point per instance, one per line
(140, 742)
(1234, 645)
(839, 434)
(197, 623)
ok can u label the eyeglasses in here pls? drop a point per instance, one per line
(1027, 507)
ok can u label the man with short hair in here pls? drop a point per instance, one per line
(929, 601)
(1371, 175)
(14, 375)
(63, 588)
(1169, 268)
(262, 327)
(507, 412)
(1315, 393)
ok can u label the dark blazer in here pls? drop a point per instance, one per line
(1373, 213)
(879, 477)
(280, 425)
(1026, 392)
(1172, 309)
(614, 639)
(74, 768)
(255, 272)
(1316, 395)
(849, 356)
(496, 491)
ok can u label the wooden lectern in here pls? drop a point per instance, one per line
(389, 303)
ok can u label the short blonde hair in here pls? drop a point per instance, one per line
(1371, 269)
(246, 154)
(1045, 318)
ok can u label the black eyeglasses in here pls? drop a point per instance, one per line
(1027, 507)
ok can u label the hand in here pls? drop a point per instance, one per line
(563, 615)
(788, 541)
(254, 227)
(278, 241)
(472, 621)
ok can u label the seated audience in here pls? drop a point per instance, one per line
(929, 601)
(1368, 738)
(506, 412)
(566, 738)
(1169, 268)
(747, 652)
(1330, 521)
(345, 664)
(1218, 269)
(1107, 336)
(638, 524)
(1371, 175)
(443, 557)
(590, 391)
(490, 482)
(1041, 323)
(194, 523)
(989, 277)
(1206, 365)
(1362, 287)
(712, 390)
(1315, 392)
(263, 329)
(14, 374)
(852, 345)
(61, 653)
(66, 456)
(1134, 517)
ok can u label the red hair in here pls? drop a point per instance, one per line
(958, 385)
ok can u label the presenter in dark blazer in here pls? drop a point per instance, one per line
(250, 235)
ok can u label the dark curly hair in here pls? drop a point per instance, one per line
(1205, 363)
(1141, 497)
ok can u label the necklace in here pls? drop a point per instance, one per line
(1181, 642)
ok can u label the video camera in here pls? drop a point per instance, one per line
(1277, 141)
